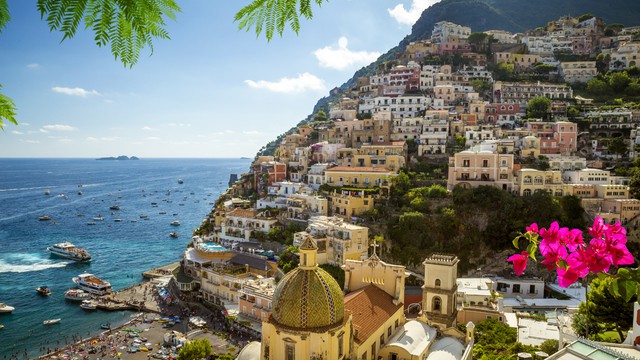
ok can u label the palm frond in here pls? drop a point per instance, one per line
(128, 26)
(4, 14)
(274, 15)
(7, 110)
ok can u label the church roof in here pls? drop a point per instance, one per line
(308, 299)
(414, 337)
(370, 307)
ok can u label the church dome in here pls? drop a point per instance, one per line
(308, 297)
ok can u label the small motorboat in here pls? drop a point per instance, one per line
(43, 290)
(4, 308)
(44, 218)
(88, 305)
(175, 223)
(106, 326)
(47, 192)
(51, 321)
(1, 326)
(76, 295)
(180, 181)
(91, 223)
(114, 207)
(117, 220)
(173, 234)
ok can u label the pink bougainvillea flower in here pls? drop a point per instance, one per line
(598, 255)
(533, 228)
(598, 227)
(618, 229)
(552, 252)
(579, 262)
(620, 255)
(566, 276)
(519, 262)
(573, 239)
(554, 234)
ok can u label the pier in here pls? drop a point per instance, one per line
(161, 271)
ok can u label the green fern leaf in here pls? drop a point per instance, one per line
(4, 14)
(7, 110)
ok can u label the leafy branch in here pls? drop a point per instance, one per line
(273, 15)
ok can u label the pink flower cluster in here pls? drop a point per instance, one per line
(566, 251)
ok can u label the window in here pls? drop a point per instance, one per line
(389, 332)
(290, 352)
(485, 163)
(340, 345)
(396, 325)
(532, 289)
(516, 288)
(373, 350)
(465, 163)
(381, 341)
(437, 304)
(484, 177)
(438, 283)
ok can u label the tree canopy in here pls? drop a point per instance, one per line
(196, 349)
(538, 107)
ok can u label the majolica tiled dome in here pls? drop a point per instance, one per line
(308, 297)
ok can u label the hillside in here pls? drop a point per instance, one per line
(482, 15)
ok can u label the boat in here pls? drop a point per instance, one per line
(1, 326)
(180, 181)
(117, 220)
(173, 234)
(162, 212)
(47, 192)
(92, 284)
(134, 220)
(91, 223)
(43, 290)
(69, 251)
(88, 305)
(51, 321)
(114, 207)
(76, 295)
(4, 308)
(175, 223)
(98, 218)
(106, 326)
(79, 192)
(143, 216)
(44, 218)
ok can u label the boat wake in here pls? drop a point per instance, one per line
(21, 263)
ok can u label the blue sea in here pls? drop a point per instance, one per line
(121, 250)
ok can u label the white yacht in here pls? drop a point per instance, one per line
(76, 295)
(88, 305)
(4, 308)
(69, 251)
(92, 284)
(175, 223)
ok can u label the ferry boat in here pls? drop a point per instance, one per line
(76, 295)
(69, 251)
(92, 284)
(43, 290)
(4, 308)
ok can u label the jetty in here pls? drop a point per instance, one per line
(161, 271)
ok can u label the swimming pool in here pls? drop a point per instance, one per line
(211, 247)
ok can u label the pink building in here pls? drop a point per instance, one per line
(501, 112)
(555, 137)
(454, 47)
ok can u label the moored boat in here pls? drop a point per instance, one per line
(43, 290)
(106, 326)
(4, 308)
(114, 207)
(180, 181)
(47, 192)
(88, 305)
(175, 223)
(76, 295)
(44, 218)
(173, 234)
(92, 284)
(51, 321)
(69, 251)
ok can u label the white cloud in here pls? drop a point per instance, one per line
(30, 141)
(74, 91)
(65, 140)
(104, 138)
(17, 132)
(152, 138)
(341, 57)
(409, 17)
(300, 84)
(59, 127)
(251, 132)
(148, 128)
(179, 124)
(43, 131)
(33, 66)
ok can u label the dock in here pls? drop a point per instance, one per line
(160, 271)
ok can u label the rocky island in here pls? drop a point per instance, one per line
(121, 157)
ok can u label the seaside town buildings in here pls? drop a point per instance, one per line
(325, 176)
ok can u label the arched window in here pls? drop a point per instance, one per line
(438, 282)
(437, 304)
(526, 192)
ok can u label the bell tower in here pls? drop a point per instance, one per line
(439, 289)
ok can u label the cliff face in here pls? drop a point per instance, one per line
(482, 15)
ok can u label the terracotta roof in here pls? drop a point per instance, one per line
(370, 307)
(359, 169)
(245, 213)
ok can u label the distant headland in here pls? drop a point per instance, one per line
(121, 157)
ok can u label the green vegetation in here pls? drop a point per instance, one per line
(284, 235)
(603, 312)
(335, 271)
(289, 259)
(496, 340)
(196, 349)
(538, 107)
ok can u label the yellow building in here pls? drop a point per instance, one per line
(348, 203)
(312, 319)
(357, 177)
(337, 240)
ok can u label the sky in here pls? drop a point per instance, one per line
(210, 91)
